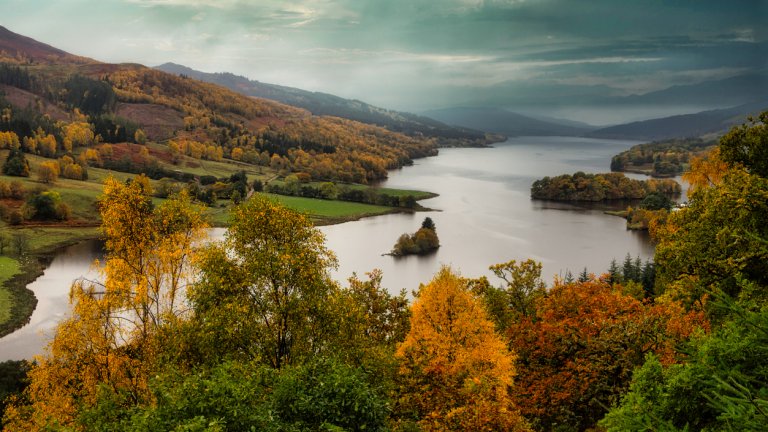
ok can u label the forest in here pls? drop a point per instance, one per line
(600, 187)
(251, 333)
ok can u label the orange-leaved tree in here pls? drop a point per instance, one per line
(576, 356)
(108, 343)
(456, 371)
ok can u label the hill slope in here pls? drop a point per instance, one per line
(501, 121)
(327, 104)
(681, 126)
(203, 120)
(15, 47)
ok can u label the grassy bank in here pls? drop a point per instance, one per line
(16, 301)
(9, 267)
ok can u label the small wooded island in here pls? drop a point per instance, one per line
(600, 187)
(421, 242)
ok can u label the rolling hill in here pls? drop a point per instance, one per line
(325, 104)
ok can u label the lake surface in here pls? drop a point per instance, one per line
(486, 217)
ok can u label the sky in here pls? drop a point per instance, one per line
(420, 54)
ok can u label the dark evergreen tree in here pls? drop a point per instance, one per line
(16, 164)
(584, 275)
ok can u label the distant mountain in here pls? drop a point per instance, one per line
(738, 90)
(682, 126)
(327, 104)
(501, 121)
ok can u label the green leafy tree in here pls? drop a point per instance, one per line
(517, 297)
(656, 201)
(264, 291)
(716, 240)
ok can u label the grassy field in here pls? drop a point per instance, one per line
(325, 209)
(322, 212)
(8, 268)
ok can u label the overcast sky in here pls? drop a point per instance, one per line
(416, 54)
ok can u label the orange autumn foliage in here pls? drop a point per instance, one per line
(577, 355)
(456, 370)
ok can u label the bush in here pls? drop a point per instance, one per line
(656, 201)
(47, 206)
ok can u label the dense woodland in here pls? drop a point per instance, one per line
(252, 333)
(666, 158)
(600, 187)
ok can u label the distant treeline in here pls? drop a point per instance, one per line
(599, 187)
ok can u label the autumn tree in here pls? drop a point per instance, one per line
(77, 134)
(9, 140)
(577, 355)
(48, 172)
(456, 370)
(108, 343)
(705, 171)
(369, 323)
(715, 241)
(264, 291)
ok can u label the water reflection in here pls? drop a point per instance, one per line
(52, 292)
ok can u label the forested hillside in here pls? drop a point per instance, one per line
(191, 117)
(326, 104)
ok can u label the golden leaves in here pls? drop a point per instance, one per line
(456, 368)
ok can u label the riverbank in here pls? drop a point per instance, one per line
(17, 302)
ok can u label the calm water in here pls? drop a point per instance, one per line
(52, 292)
(486, 217)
